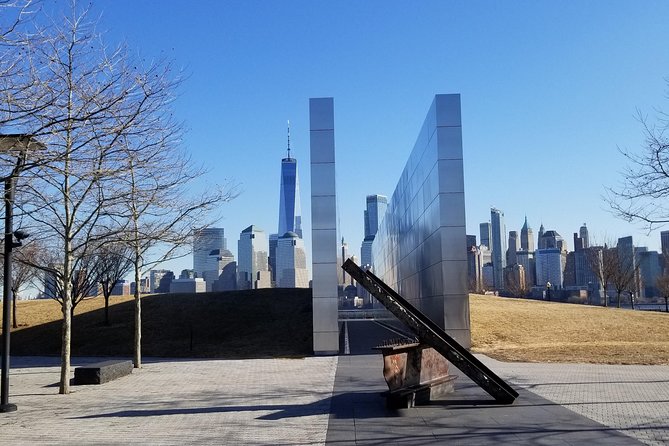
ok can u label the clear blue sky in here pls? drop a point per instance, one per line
(549, 91)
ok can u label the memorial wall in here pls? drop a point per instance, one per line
(419, 248)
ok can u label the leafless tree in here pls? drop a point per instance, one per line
(23, 274)
(642, 194)
(663, 286)
(603, 263)
(90, 98)
(625, 273)
(113, 263)
(160, 210)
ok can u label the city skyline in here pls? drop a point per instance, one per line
(549, 130)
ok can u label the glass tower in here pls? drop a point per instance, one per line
(207, 247)
(290, 214)
(498, 246)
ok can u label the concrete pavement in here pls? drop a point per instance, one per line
(333, 400)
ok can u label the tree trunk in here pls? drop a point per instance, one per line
(66, 337)
(666, 304)
(138, 319)
(618, 299)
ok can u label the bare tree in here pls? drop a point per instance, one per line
(23, 274)
(663, 286)
(113, 263)
(603, 263)
(90, 98)
(624, 273)
(161, 211)
(642, 194)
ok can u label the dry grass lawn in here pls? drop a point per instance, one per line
(535, 331)
(278, 322)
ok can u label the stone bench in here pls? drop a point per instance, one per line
(101, 372)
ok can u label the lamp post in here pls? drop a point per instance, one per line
(9, 143)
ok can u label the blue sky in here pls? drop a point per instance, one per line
(549, 90)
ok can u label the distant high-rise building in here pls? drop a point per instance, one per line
(583, 234)
(376, 209)
(485, 230)
(649, 271)
(252, 267)
(273, 240)
(627, 258)
(291, 262)
(550, 265)
(156, 280)
(187, 274)
(540, 238)
(578, 242)
(227, 280)
(207, 246)
(526, 239)
(211, 276)
(498, 240)
(551, 239)
(664, 240)
(290, 214)
(376, 206)
(526, 259)
(513, 247)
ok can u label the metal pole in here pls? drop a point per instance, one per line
(5, 406)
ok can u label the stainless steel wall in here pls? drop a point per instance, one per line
(420, 248)
(323, 226)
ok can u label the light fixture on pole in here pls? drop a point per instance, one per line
(19, 144)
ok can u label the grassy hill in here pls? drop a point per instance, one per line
(528, 330)
(240, 324)
(278, 322)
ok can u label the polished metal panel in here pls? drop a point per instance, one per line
(451, 179)
(324, 212)
(326, 282)
(323, 309)
(326, 342)
(449, 140)
(324, 226)
(322, 179)
(420, 246)
(324, 246)
(448, 110)
(325, 140)
(321, 114)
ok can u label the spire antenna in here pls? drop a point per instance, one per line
(289, 139)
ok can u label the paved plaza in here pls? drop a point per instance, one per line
(333, 400)
(175, 402)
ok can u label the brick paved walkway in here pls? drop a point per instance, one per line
(631, 398)
(172, 402)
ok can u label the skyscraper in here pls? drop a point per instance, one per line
(498, 241)
(540, 238)
(376, 209)
(291, 262)
(290, 214)
(664, 242)
(513, 248)
(526, 238)
(207, 247)
(252, 265)
(583, 235)
(485, 230)
(374, 212)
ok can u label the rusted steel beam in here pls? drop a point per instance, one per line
(431, 334)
